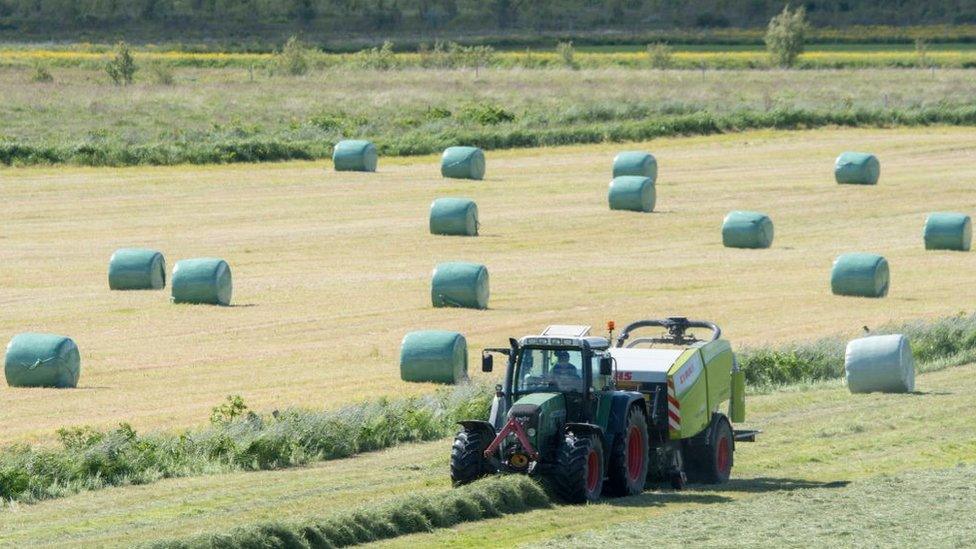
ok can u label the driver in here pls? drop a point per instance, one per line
(564, 373)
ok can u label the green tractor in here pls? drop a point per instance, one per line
(595, 419)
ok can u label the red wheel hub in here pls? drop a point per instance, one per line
(724, 457)
(635, 453)
(592, 471)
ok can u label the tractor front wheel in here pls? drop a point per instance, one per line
(629, 457)
(468, 462)
(578, 474)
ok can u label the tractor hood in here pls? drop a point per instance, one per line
(543, 413)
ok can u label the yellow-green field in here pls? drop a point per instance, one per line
(332, 269)
(817, 440)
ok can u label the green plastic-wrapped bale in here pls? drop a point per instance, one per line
(857, 168)
(463, 163)
(637, 163)
(136, 269)
(454, 216)
(42, 360)
(880, 364)
(434, 356)
(355, 155)
(460, 284)
(948, 231)
(633, 193)
(747, 230)
(204, 280)
(860, 274)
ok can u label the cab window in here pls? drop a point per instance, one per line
(543, 370)
(599, 382)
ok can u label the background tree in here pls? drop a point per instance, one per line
(122, 68)
(785, 36)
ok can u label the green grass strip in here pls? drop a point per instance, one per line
(488, 498)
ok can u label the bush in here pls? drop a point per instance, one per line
(41, 75)
(382, 58)
(161, 74)
(567, 53)
(785, 36)
(122, 68)
(293, 57)
(486, 114)
(661, 55)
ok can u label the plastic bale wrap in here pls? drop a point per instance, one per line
(204, 281)
(454, 216)
(460, 284)
(948, 231)
(860, 274)
(633, 193)
(463, 163)
(42, 360)
(880, 364)
(434, 356)
(857, 168)
(136, 269)
(636, 163)
(747, 230)
(354, 156)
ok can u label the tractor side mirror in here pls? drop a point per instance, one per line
(487, 362)
(606, 366)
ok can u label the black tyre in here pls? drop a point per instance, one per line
(711, 463)
(578, 474)
(629, 457)
(468, 462)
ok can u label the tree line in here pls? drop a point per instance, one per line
(229, 17)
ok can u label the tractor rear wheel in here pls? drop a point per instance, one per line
(468, 462)
(578, 474)
(629, 456)
(712, 462)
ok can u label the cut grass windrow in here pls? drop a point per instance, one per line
(413, 514)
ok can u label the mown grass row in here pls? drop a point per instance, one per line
(497, 133)
(89, 459)
(489, 498)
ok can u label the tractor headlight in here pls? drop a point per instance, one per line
(531, 431)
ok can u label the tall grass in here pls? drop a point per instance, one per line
(483, 125)
(87, 459)
(485, 499)
(938, 344)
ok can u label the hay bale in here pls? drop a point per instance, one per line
(434, 356)
(136, 269)
(460, 284)
(463, 163)
(42, 360)
(454, 216)
(204, 280)
(880, 364)
(742, 229)
(633, 193)
(860, 274)
(637, 163)
(948, 231)
(355, 155)
(857, 168)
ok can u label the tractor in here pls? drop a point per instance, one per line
(592, 418)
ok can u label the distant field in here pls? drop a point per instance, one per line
(821, 450)
(332, 269)
(233, 114)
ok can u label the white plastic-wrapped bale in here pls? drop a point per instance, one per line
(880, 364)
(434, 356)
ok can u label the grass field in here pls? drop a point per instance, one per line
(332, 269)
(814, 443)
(208, 114)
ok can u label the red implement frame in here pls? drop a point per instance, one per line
(513, 426)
